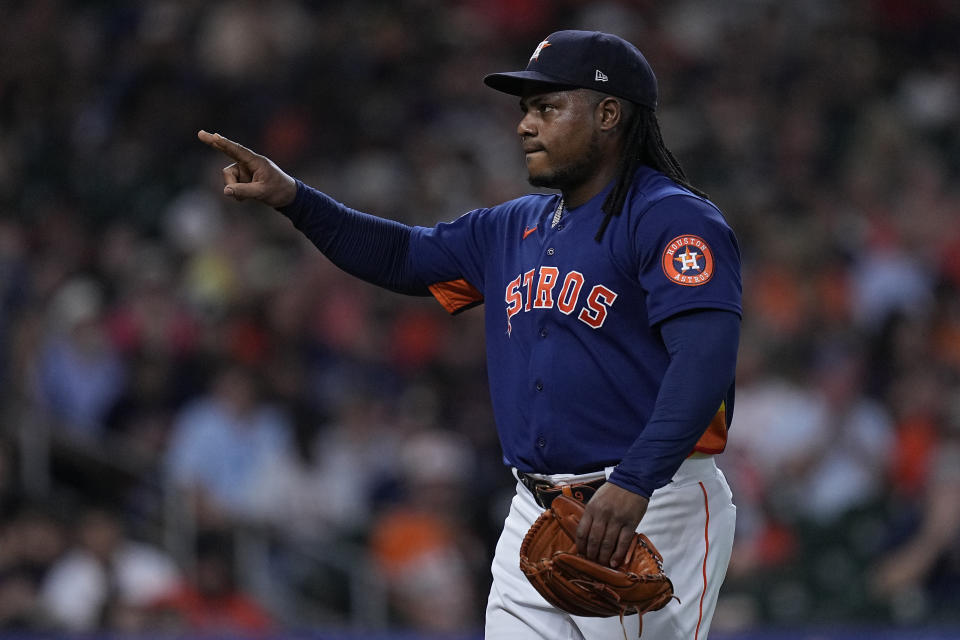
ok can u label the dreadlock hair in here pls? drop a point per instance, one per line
(642, 145)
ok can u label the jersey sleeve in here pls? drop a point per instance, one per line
(449, 257)
(689, 258)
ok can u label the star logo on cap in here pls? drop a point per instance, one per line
(540, 47)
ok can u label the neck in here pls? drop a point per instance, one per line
(583, 192)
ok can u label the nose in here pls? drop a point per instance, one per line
(526, 127)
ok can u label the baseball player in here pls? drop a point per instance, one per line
(612, 313)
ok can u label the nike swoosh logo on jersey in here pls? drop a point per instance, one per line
(529, 230)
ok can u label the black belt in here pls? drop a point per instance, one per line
(545, 491)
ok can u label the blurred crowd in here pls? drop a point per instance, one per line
(177, 369)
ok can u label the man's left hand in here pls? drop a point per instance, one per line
(608, 524)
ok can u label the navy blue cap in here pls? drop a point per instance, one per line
(585, 59)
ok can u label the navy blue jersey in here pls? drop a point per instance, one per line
(574, 356)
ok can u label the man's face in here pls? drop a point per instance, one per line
(560, 137)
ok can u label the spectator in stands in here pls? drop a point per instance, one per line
(423, 545)
(80, 374)
(142, 417)
(31, 540)
(209, 600)
(220, 442)
(325, 485)
(106, 579)
(921, 575)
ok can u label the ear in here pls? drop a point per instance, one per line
(609, 113)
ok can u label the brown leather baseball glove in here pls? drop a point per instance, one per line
(568, 581)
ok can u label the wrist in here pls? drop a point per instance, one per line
(291, 196)
(641, 489)
(287, 195)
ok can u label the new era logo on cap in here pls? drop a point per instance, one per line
(600, 76)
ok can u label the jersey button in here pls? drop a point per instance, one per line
(541, 442)
(543, 332)
(550, 251)
(539, 386)
(559, 227)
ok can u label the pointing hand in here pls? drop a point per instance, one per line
(251, 175)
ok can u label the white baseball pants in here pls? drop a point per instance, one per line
(690, 521)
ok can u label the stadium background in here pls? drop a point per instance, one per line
(205, 426)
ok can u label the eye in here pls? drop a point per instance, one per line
(546, 107)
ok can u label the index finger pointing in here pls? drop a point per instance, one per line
(234, 150)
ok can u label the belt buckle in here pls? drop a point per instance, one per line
(545, 491)
(542, 485)
(540, 489)
(537, 487)
(543, 496)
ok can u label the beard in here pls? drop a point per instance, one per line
(574, 173)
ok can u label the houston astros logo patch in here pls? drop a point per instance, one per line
(687, 260)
